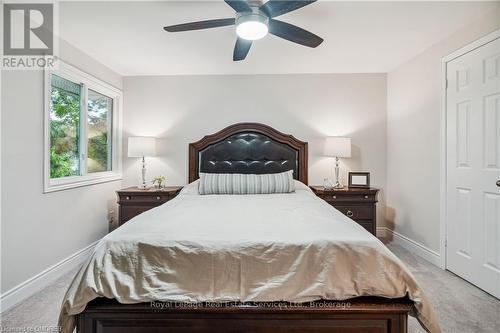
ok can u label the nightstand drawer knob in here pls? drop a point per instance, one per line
(366, 197)
(127, 197)
(158, 198)
(350, 213)
(334, 196)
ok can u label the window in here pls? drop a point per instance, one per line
(65, 101)
(99, 121)
(82, 132)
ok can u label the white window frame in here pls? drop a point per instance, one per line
(87, 81)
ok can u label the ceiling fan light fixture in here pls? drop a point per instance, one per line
(251, 26)
(254, 20)
(251, 30)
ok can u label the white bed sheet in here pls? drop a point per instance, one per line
(291, 247)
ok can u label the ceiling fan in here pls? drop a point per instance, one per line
(254, 20)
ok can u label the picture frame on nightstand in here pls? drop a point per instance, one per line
(359, 180)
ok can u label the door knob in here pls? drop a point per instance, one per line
(498, 183)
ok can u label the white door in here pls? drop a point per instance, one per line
(473, 167)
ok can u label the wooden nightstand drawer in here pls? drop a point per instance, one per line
(357, 212)
(134, 201)
(357, 203)
(128, 212)
(336, 197)
(368, 225)
(131, 199)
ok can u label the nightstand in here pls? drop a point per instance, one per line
(133, 201)
(358, 204)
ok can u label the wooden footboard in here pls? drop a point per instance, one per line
(363, 314)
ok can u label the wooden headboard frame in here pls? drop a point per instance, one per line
(287, 139)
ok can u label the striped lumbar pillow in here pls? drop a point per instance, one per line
(236, 183)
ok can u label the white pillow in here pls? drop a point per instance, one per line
(191, 188)
(300, 186)
(236, 183)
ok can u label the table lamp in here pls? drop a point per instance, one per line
(142, 146)
(339, 148)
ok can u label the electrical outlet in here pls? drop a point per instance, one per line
(111, 216)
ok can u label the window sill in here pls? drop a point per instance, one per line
(48, 188)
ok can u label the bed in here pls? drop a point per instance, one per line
(244, 263)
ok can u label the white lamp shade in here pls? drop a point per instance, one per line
(139, 146)
(338, 147)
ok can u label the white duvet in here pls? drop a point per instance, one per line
(291, 247)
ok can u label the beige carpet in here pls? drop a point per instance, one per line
(461, 307)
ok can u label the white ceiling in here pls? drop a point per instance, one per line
(360, 37)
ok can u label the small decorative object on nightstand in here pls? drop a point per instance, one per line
(159, 182)
(133, 201)
(337, 147)
(358, 204)
(359, 179)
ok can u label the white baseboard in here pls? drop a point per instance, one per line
(31, 286)
(422, 251)
(382, 232)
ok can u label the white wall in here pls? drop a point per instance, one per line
(413, 137)
(39, 230)
(182, 109)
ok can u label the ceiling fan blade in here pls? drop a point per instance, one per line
(239, 5)
(241, 49)
(274, 8)
(200, 25)
(293, 33)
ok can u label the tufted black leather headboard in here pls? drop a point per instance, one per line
(248, 152)
(249, 148)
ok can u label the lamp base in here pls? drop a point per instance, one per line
(329, 185)
(338, 186)
(143, 173)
